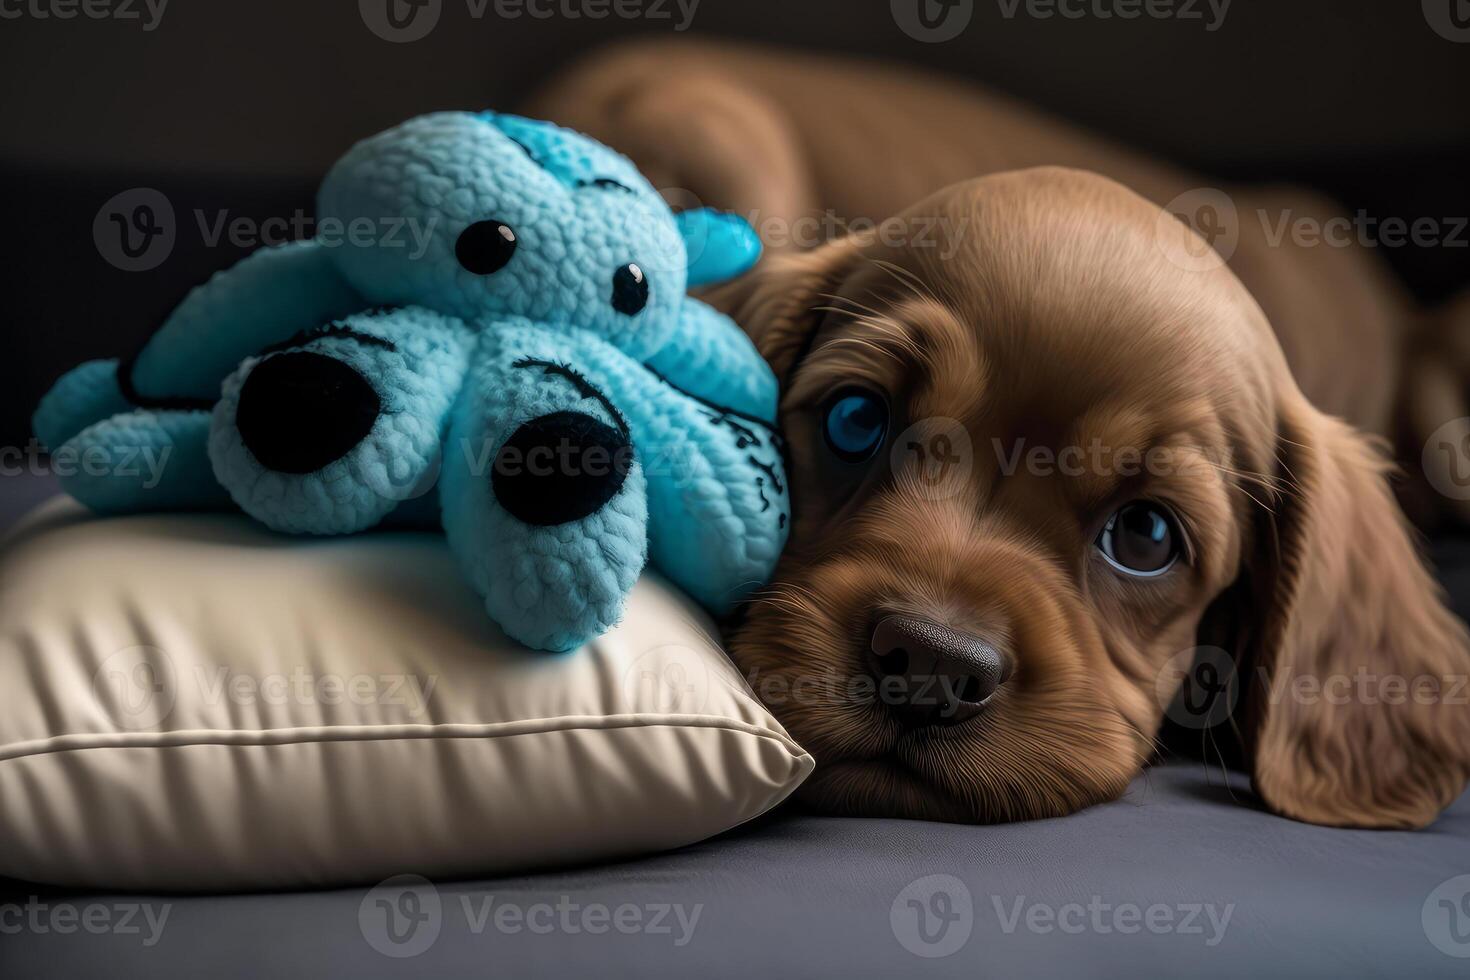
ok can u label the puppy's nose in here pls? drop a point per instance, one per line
(931, 674)
(301, 410)
(560, 468)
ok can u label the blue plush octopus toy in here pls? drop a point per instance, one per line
(496, 334)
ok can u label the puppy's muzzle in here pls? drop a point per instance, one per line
(933, 675)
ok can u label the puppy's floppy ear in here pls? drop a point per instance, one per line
(779, 304)
(1358, 714)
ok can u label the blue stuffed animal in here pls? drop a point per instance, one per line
(500, 316)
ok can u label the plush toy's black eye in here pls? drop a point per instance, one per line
(485, 247)
(630, 289)
(1141, 539)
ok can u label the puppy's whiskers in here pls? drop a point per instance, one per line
(836, 298)
(908, 278)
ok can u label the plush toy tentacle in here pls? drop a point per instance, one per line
(543, 500)
(718, 503)
(332, 431)
(141, 461)
(262, 300)
(719, 245)
(83, 396)
(710, 358)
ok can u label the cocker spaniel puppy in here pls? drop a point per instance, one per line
(1132, 474)
(1053, 471)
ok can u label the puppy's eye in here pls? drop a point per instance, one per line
(485, 247)
(1141, 539)
(854, 422)
(630, 290)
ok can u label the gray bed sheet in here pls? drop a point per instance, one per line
(1184, 876)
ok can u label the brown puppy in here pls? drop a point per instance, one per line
(1207, 502)
(1092, 460)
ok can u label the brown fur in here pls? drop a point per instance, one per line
(1061, 314)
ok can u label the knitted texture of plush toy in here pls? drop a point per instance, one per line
(496, 335)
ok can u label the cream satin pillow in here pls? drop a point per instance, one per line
(190, 702)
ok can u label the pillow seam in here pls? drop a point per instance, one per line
(185, 738)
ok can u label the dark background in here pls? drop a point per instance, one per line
(240, 106)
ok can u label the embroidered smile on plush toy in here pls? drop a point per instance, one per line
(529, 353)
